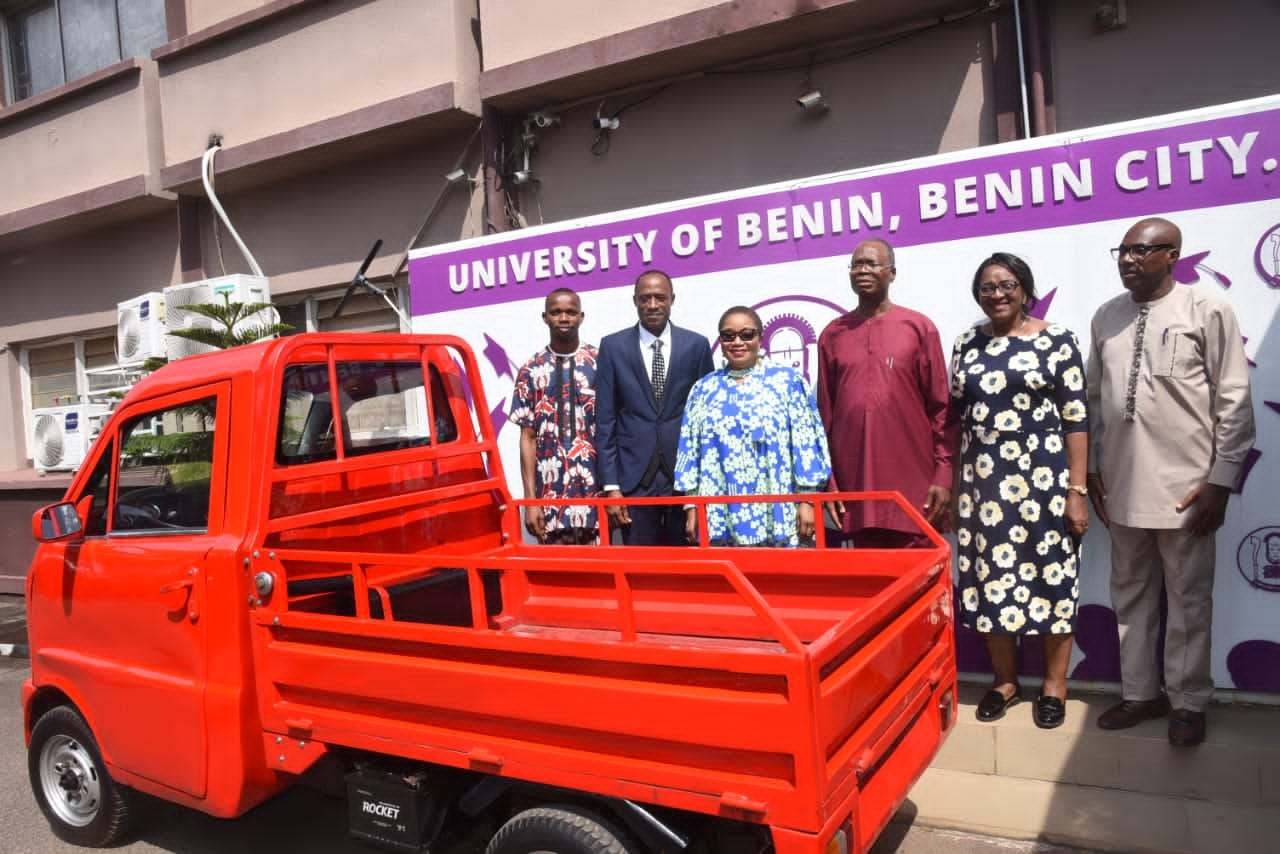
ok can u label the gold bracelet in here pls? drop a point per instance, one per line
(1078, 489)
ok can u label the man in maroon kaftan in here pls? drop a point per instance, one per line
(882, 391)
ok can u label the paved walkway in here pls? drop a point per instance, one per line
(1126, 791)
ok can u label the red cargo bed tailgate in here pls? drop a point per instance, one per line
(881, 675)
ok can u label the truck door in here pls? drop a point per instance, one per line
(133, 625)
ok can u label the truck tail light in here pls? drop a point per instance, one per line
(838, 843)
(947, 709)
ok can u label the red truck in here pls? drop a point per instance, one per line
(301, 558)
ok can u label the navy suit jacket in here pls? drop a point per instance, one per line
(629, 426)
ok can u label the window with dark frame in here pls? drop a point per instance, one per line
(53, 42)
(382, 406)
(166, 469)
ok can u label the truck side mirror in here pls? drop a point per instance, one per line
(56, 522)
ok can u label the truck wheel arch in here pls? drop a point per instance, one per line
(47, 698)
(510, 798)
(44, 699)
(561, 828)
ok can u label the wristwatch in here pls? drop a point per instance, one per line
(1078, 488)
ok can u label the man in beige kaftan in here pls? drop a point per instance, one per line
(1171, 422)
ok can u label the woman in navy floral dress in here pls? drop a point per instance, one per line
(1020, 385)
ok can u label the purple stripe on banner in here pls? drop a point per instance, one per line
(1200, 164)
(1250, 460)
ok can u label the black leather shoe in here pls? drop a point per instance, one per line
(1133, 712)
(1049, 712)
(993, 704)
(1186, 728)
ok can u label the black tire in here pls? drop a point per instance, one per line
(83, 805)
(559, 830)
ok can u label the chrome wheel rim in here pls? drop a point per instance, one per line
(69, 780)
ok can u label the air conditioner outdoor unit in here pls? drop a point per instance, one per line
(62, 434)
(140, 329)
(237, 288)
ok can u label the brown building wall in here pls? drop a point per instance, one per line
(16, 509)
(1171, 55)
(739, 124)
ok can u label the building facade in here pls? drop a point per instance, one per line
(337, 123)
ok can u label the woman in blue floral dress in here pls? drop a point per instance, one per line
(1020, 385)
(751, 428)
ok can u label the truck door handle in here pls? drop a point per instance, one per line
(188, 584)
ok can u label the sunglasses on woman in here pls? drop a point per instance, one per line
(727, 336)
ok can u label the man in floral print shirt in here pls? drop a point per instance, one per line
(554, 405)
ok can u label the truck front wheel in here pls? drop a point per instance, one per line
(558, 830)
(83, 804)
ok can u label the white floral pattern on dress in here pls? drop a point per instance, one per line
(760, 435)
(1019, 395)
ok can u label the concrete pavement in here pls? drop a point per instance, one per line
(306, 821)
(1040, 792)
(13, 627)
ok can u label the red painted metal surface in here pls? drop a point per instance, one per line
(801, 689)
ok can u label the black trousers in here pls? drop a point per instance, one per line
(654, 525)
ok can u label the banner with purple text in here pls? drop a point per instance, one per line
(1060, 202)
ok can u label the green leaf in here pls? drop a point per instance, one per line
(226, 316)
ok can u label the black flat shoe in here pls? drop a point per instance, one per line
(993, 704)
(1049, 712)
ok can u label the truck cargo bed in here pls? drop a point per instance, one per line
(724, 682)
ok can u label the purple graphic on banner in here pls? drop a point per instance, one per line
(1187, 271)
(1214, 162)
(1258, 558)
(1254, 665)
(791, 327)
(1266, 258)
(1041, 308)
(498, 416)
(498, 358)
(1250, 460)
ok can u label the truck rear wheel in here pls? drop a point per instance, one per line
(558, 830)
(83, 804)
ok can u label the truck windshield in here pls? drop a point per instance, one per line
(381, 406)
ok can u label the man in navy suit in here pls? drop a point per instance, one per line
(643, 376)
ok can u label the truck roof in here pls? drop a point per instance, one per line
(260, 356)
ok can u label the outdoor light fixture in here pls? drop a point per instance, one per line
(1110, 15)
(605, 123)
(812, 102)
(525, 174)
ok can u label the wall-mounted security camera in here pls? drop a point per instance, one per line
(544, 120)
(605, 123)
(813, 102)
(521, 176)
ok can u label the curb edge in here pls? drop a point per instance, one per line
(15, 650)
